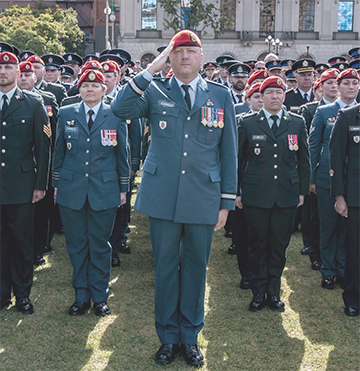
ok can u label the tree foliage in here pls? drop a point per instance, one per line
(196, 15)
(42, 29)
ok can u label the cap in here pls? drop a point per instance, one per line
(223, 59)
(349, 73)
(91, 76)
(209, 65)
(52, 61)
(253, 89)
(5, 47)
(260, 74)
(338, 59)
(286, 64)
(273, 65)
(289, 75)
(67, 71)
(304, 65)
(272, 82)
(126, 57)
(251, 63)
(35, 59)
(90, 57)
(160, 49)
(24, 55)
(341, 66)
(8, 58)
(355, 52)
(186, 38)
(91, 65)
(26, 66)
(112, 57)
(317, 83)
(105, 51)
(73, 58)
(110, 66)
(238, 69)
(321, 67)
(355, 64)
(131, 64)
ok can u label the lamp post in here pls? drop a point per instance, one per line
(107, 12)
(268, 42)
(275, 44)
(112, 19)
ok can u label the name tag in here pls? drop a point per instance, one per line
(354, 128)
(71, 129)
(258, 137)
(165, 103)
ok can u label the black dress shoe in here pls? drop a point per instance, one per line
(124, 248)
(79, 308)
(101, 309)
(193, 355)
(275, 303)
(328, 282)
(245, 283)
(166, 353)
(305, 250)
(232, 249)
(257, 303)
(24, 306)
(351, 311)
(316, 265)
(39, 260)
(115, 261)
(228, 234)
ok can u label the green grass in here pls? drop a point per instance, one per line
(312, 334)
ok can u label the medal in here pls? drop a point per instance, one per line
(114, 142)
(209, 103)
(49, 110)
(209, 117)
(221, 117)
(293, 142)
(203, 116)
(71, 123)
(162, 125)
(215, 118)
(108, 138)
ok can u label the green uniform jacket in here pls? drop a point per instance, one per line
(58, 90)
(294, 100)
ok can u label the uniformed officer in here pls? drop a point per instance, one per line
(221, 61)
(66, 76)
(290, 79)
(320, 68)
(303, 72)
(188, 184)
(332, 225)
(111, 70)
(126, 57)
(209, 69)
(238, 75)
(91, 177)
(345, 185)
(274, 183)
(74, 61)
(53, 62)
(25, 141)
(43, 208)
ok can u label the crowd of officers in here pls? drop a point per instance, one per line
(321, 95)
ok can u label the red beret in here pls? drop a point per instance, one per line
(330, 73)
(26, 67)
(91, 65)
(110, 66)
(91, 76)
(186, 38)
(317, 84)
(253, 89)
(261, 74)
(349, 73)
(35, 59)
(272, 82)
(8, 58)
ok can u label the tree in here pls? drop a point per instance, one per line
(195, 15)
(42, 29)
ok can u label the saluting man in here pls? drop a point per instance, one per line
(188, 184)
(275, 180)
(90, 177)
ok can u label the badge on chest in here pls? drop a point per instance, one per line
(293, 142)
(108, 138)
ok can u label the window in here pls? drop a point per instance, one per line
(345, 15)
(185, 14)
(306, 15)
(267, 17)
(148, 14)
(228, 13)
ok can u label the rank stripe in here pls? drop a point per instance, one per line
(228, 196)
(47, 130)
(135, 87)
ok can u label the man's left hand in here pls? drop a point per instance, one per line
(37, 196)
(223, 214)
(122, 198)
(301, 201)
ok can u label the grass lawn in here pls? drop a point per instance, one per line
(312, 334)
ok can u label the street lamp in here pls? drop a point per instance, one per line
(107, 12)
(268, 42)
(112, 19)
(275, 44)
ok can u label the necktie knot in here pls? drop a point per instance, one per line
(90, 122)
(187, 95)
(239, 97)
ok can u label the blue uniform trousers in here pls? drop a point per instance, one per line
(87, 233)
(332, 235)
(181, 253)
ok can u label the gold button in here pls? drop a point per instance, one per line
(275, 166)
(3, 164)
(3, 151)
(186, 136)
(86, 163)
(275, 145)
(185, 154)
(164, 112)
(86, 175)
(88, 139)
(189, 118)
(4, 123)
(275, 177)
(3, 137)
(275, 155)
(87, 151)
(183, 172)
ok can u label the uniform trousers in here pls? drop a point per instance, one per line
(314, 229)
(351, 292)
(87, 233)
(240, 236)
(305, 221)
(332, 235)
(269, 235)
(17, 250)
(181, 253)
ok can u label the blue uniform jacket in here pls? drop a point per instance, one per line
(190, 169)
(321, 127)
(84, 167)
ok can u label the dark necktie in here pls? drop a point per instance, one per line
(187, 95)
(90, 122)
(306, 97)
(274, 125)
(239, 97)
(5, 104)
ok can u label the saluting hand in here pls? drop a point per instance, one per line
(157, 64)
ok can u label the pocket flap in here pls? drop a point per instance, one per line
(71, 135)
(66, 174)
(110, 176)
(294, 178)
(250, 179)
(215, 175)
(27, 165)
(150, 167)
